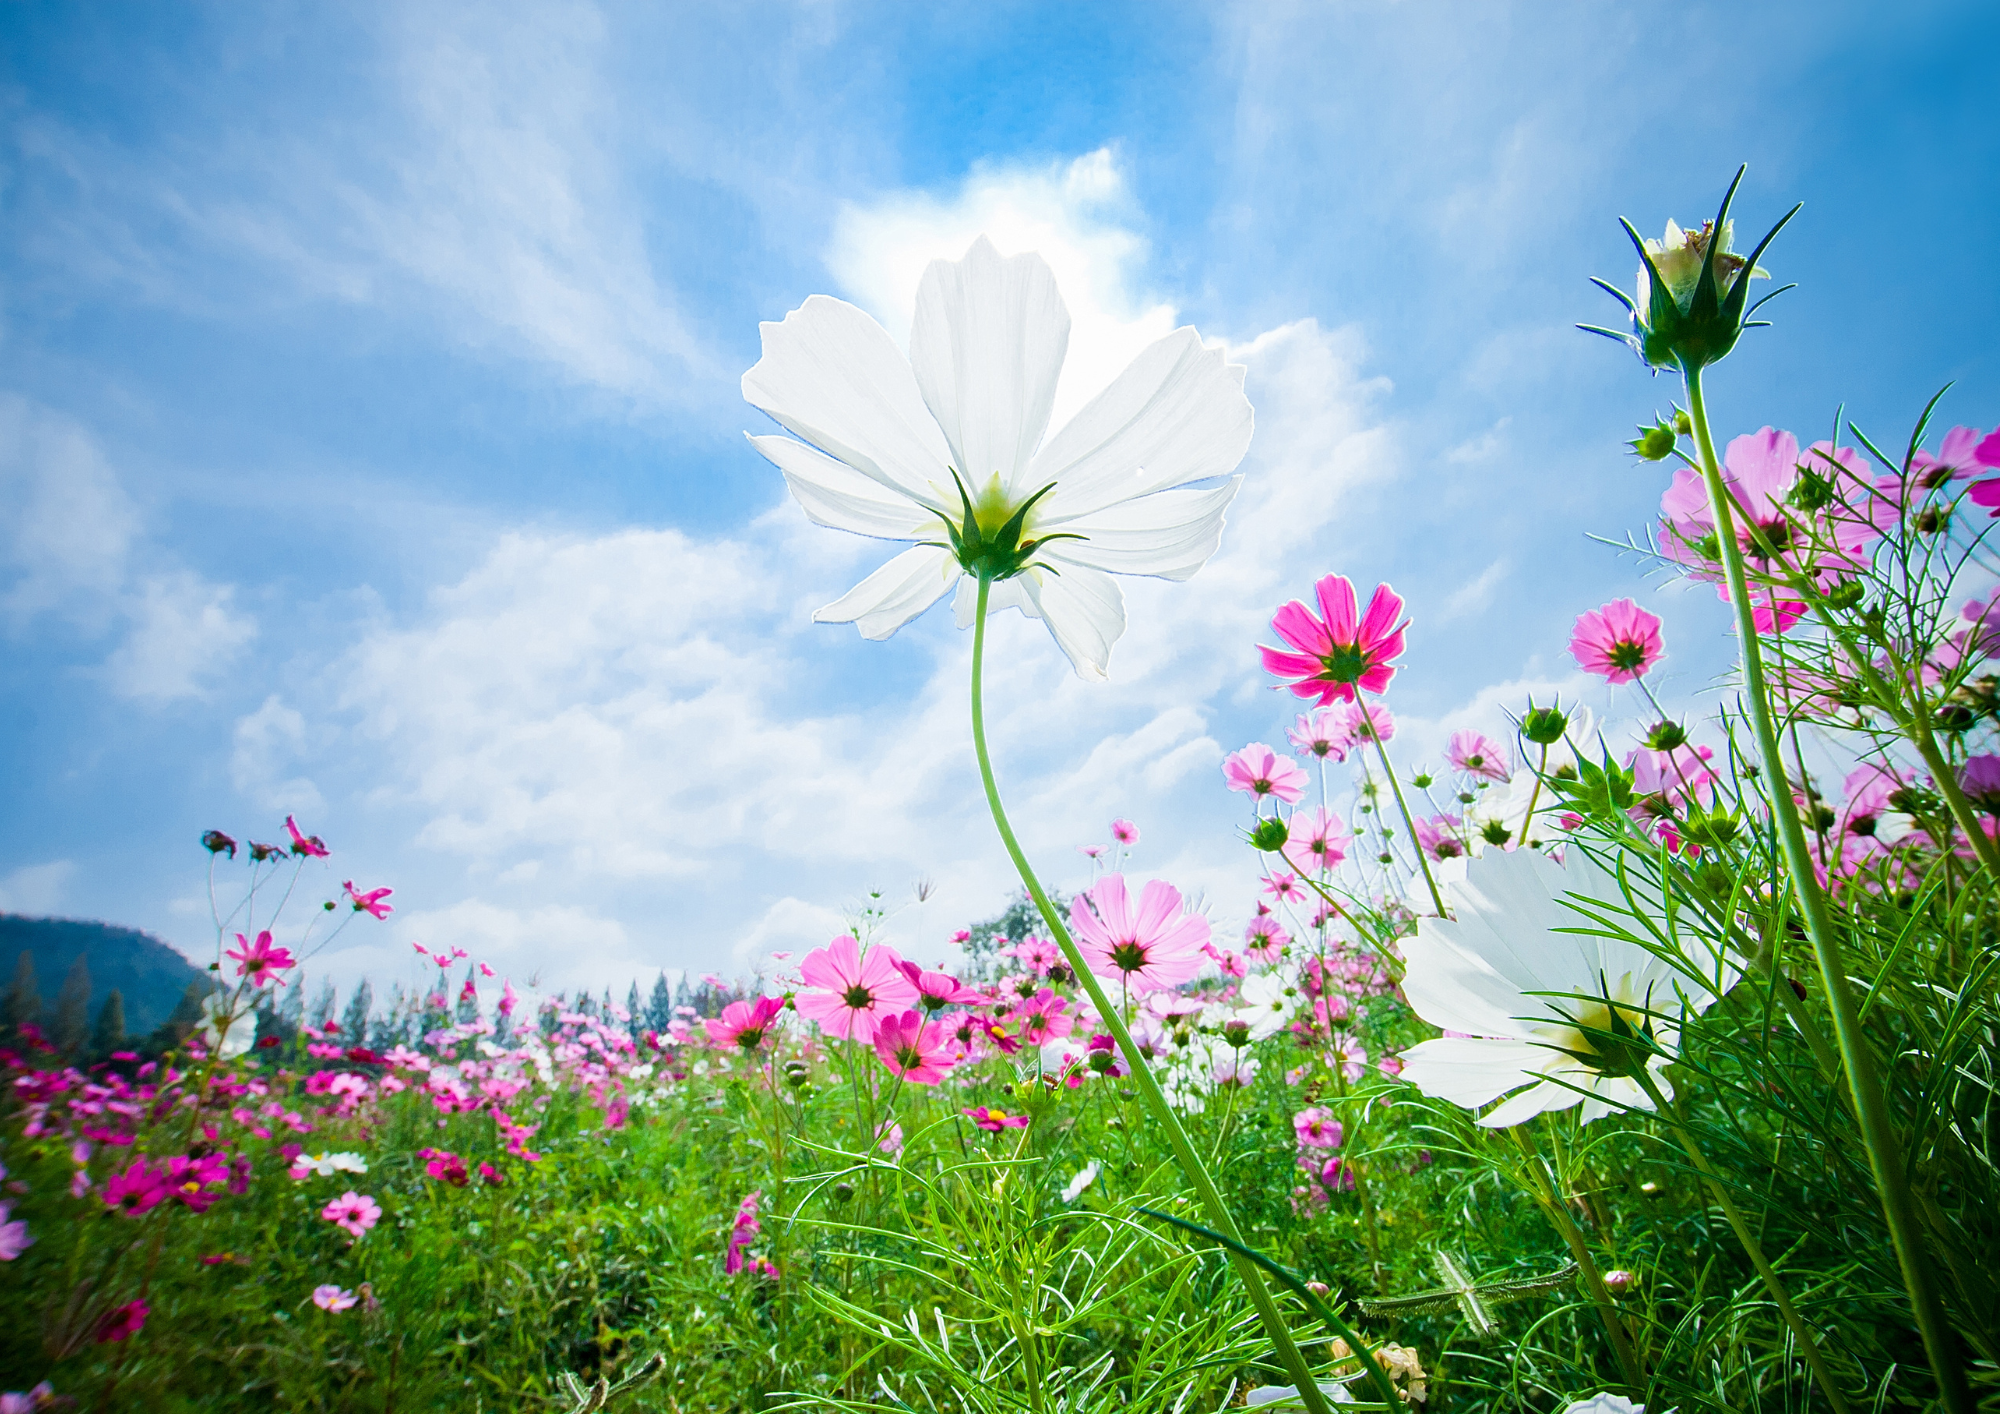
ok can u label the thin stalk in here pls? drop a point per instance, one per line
(1142, 1073)
(1409, 823)
(1808, 1346)
(1593, 1280)
(1884, 1152)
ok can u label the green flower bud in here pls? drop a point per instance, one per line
(1665, 736)
(1269, 836)
(1693, 295)
(1683, 424)
(1544, 725)
(1422, 780)
(1655, 443)
(1846, 594)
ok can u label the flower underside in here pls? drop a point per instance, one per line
(990, 542)
(1610, 1037)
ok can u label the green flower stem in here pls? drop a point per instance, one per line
(1884, 1152)
(1142, 1074)
(1593, 1280)
(1409, 822)
(1808, 1344)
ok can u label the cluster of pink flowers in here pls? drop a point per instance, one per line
(742, 1233)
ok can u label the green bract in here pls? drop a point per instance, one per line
(1693, 292)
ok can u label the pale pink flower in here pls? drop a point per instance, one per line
(1619, 642)
(1091, 851)
(353, 1212)
(14, 1239)
(370, 903)
(1155, 946)
(744, 1024)
(1319, 840)
(854, 992)
(1961, 454)
(1038, 955)
(1263, 939)
(917, 1050)
(260, 960)
(1365, 721)
(889, 1136)
(743, 1233)
(1316, 1128)
(1438, 836)
(1318, 733)
(1353, 1059)
(1341, 649)
(1678, 775)
(1125, 832)
(1258, 771)
(332, 1298)
(1472, 754)
(1284, 886)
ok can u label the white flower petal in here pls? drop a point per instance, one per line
(1083, 608)
(894, 594)
(833, 376)
(1536, 1099)
(1007, 594)
(1176, 415)
(835, 495)
(1470, 1071)
(1170, 534)
(987, 346)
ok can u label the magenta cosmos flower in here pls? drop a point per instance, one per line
(993, 1121)
(353, 1212)
(855, 992)
(1472, 754)
(1341, 649)
(1155, 946)
(1317, 1128)
(332, 1298)
(1319, 839)
(744, 1024)
(1619, 642)
(1258, 771)
(304, 844)
(370, 902)
(937, 990)
(260, 960)
(914, 1049)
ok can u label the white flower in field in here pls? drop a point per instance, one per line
(1605, 1403)
(1537, 995)
(1282, 1398)
(327, 1165)
(1085, 1176)
(241, 1026)
(1264, 1003)
(946, 449)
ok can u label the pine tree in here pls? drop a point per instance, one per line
(323, 1005)
(292, 1010)
(23, 1005)
(71, 1029)
(660, 1009)
(354, 1021)
(185, 1017)
(635, 1014)
(468, 999)
(109, 1034)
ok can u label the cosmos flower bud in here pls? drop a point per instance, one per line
(1693, 293)
(1655, 443)
(1620, 1281)
(1544, 726)
(1270, 835)
(1666, 736)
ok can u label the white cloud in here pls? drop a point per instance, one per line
(74, 549)
(267, 741)
(37, 889)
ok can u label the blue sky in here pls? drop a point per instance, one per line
(370, 433)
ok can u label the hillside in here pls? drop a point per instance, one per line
(149, 974)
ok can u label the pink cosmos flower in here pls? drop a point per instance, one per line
(509, 998)
(744, 1024)
(304, 844)
(14, 1239)
(1366, 721)
(1472, 754)
(854, 992)
(1979, 778)
(1987, 493)
(42, 1396)
(1319, 839)
(1041, 1017)
(260, 960)
(1341, 649)
(444, 1166)
(743, 1233)
(1156, 946)
(1961, 454)
(138, 1189)
(1125, 832)
(917, 1050)
(889, 1137)
(937, 990)
(1258, 771)
(1317, 1128)
(1263, 939)
(1318, 733)
(370, 903)
(353, 1212)
(332, 1298)
(1038, 955)
(1678, 775)
(1091, 851)
(1619, 642)
(993, 1121)
(1438, 836)
(1284, 886)
(123, 1323)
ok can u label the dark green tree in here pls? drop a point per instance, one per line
(109, 1033)
(185, 1017)
(354, 1021)
(660, 1006)
(70, 1029)
(23, 1004)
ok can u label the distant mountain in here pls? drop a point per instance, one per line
(149, 975)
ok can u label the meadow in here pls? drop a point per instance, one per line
(1604, 1067)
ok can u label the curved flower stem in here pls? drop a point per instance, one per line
(1607, 1308)
(1871, 1109)
(1808, 1345)
(1142, 1074)
(1409, 823)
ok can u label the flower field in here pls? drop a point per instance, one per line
(1635, 1060)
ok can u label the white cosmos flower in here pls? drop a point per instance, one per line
(1511, 971)
(1135, 483)
(240, 1032)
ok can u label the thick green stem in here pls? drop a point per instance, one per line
(1409, 821)
(1142, 1074)
(1808, 1345)
(1884, 1152)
